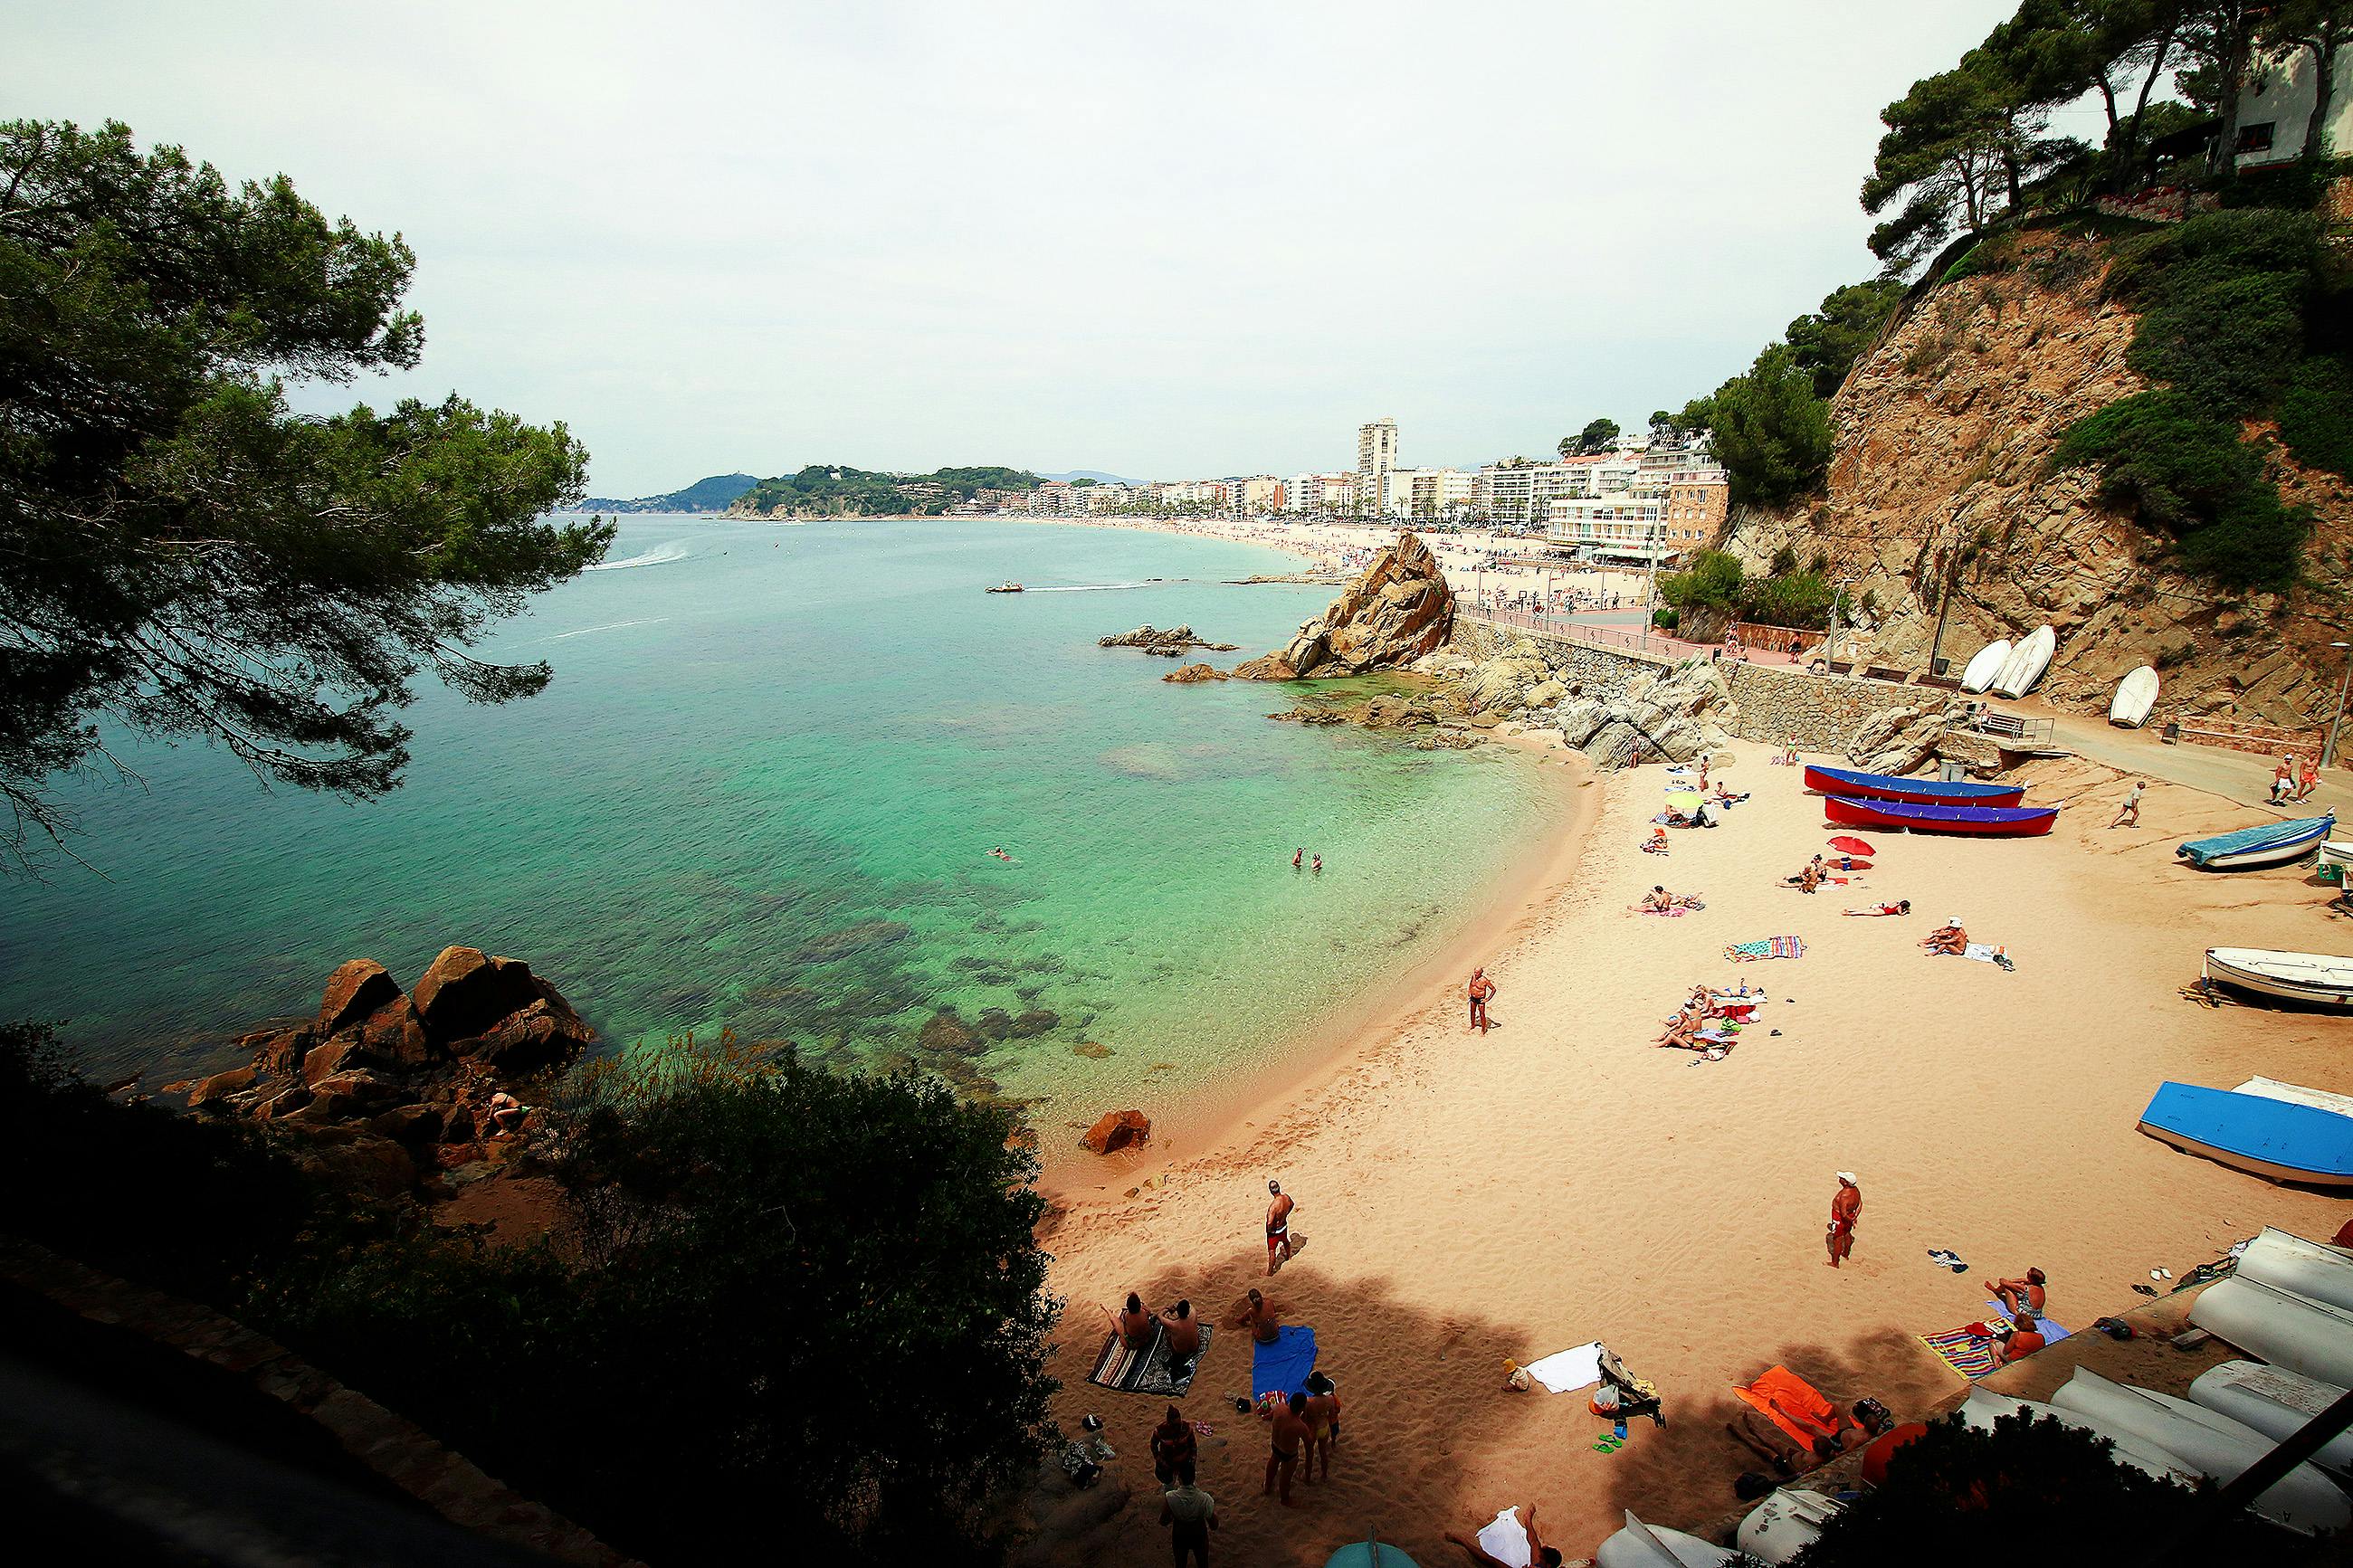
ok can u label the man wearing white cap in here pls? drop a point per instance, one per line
(1844, 1208)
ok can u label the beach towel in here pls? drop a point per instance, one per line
(1506, 1540)
(1283, 1367)
(1793, 1405)
(1771, 947)
(1566, 1372)
(2052, 1332)
(1970, 1355)
(1983, 951)
(1146, 1371)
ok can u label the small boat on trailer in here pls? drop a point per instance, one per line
(2314, 979)
(2273, 1138)
(1979, 821)
(1856, 786)
(2271, 844)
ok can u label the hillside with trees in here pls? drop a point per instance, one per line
(708, 495)
(2107, 387)
(831, 490)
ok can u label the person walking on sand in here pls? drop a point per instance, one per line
(1846, 1209)
(1289, 1437)
(1481, 991)
(2128, 814)
(1190, 1514)
(1278, 1229)
(2307, 778)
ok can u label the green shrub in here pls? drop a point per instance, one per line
(196, 1206)
(2315, 414)
(1666, 619)
(1771, 431)
(1711, 582)
(802, 1308)
(1800, 599)
(2188, 473)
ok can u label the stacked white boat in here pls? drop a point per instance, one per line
(2010, 669)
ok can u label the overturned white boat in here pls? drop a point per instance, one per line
(2314, 979)
(2304, 1500)
(2281, 1327)
(1983, 1407)
(2274, 1400)
(2309, 1269)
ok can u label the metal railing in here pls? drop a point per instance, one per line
(1659, 646)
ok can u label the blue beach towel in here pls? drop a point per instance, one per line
(1283, 1367)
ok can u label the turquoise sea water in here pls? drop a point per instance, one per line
(761, 794)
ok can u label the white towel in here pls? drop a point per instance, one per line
(1983, 951)
(1506, 1540)
(1564, 1371)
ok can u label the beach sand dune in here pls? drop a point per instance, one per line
(1473, 1199)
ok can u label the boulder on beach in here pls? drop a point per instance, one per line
(1116, 1129)
(464, 991)
(1399, 611)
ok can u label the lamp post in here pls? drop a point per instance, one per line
(2328, 751)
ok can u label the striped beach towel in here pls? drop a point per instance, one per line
(1771, 947)
(1146, 1371)
(1970, 1355)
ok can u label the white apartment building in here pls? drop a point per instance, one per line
(1376, 456)
(1320, 495)
(1433, 493)
(1649, 506)
(1101, 499)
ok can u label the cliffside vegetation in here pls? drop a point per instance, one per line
(830, 489)
(1716, 586)
(184, 554)
(2242, 310)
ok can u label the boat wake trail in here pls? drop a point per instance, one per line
(607, 627)
(1105, 587)
(659, 555)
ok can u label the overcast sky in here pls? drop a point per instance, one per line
(1160, 239)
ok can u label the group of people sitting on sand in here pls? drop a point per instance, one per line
(1951, 938)
(1658, 901)
(1135, 1325)
(1688, 1028)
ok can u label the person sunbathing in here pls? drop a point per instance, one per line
(1656, 902)
(2022, 1295)
(1134, 1325)
(1539, 1554)
(2023, 1340)
(1809, 880)
(1683, 1030)
(1950, 938)
(1900, 907)
(1657, 843)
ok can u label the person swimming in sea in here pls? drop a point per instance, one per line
(1319, 865)
(1296, 856)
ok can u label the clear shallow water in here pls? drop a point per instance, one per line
(761, 794)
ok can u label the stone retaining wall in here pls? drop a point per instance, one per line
(1777, 703)
(1818, 713)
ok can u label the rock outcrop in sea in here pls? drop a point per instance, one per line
(392, 1091)
(1169, 644)
(1397, 611)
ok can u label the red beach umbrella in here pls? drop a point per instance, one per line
(1851, 845)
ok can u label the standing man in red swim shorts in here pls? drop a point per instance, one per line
(1278, 1227)
(1845, 1208)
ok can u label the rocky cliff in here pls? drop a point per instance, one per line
(1941, 476)
(1397, 611)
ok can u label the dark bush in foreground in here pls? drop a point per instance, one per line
(802, 1308)
(1963, 1498)
(196, 1208)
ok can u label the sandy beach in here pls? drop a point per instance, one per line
(1468, 1199)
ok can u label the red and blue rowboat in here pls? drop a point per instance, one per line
(1913, 792)
(1986, 821)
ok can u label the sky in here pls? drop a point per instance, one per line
(1160, 240)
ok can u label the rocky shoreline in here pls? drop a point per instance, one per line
(407, 1094)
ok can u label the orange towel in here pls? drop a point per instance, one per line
(1793, 1405)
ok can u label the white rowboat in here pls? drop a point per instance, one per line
(2281, 1327)
(2296, 1094)
(2275, 1402)
(2318, 979)
(2027, 662)
(2136, 695)
(2287, 1262)
(1985, 665)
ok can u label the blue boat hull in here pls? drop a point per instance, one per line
(2274, 1139)
(1856, 786)
(2268, 845)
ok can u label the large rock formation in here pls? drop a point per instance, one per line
(1677, 715)
(1399, 611)
(389, 1091)
(1941, 475)
(1171, 643)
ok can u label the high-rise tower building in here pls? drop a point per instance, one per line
(1376, 452)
